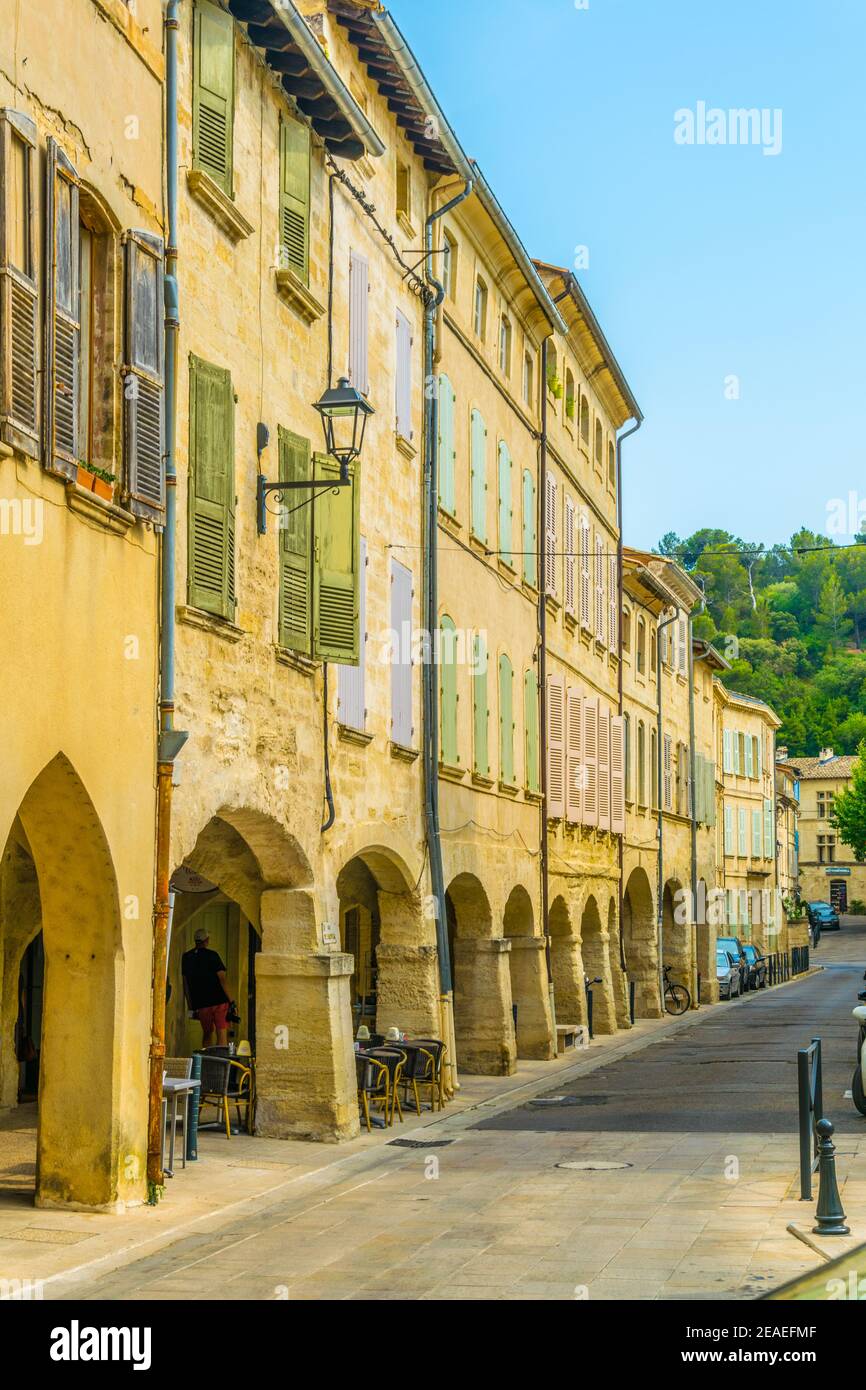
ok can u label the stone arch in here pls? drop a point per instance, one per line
(596, 961)
(566, 960)
(678, 934)
(618, 975)
(530, 991)
(57, 856)
(483, 1023)
(639, 933)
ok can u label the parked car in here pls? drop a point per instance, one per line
(734, 946)
(728, 974)
(824, 914)
(757, 967)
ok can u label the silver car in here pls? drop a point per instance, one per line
(727, 974)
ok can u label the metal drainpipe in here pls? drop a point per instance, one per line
(542, 683)
(619, 443)
(171, 740)
(429, 682)
(660, 790)
(694, 826)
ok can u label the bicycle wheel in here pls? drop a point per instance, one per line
(677, 999)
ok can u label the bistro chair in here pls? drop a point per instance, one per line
(420, 1069)
(226, 1081)
(435, 1077)
(394, 1061)
(372, 1078)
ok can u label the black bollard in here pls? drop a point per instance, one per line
(830, 1216)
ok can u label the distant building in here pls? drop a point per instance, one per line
(828, 869)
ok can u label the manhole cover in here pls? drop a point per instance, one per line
(597, 1165)
(419, 1143)
(571, 1100)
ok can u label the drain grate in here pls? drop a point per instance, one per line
(419, 1143)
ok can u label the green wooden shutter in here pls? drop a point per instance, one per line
(295, 626)
(530, 571)
(506, 509)
(530, 716)
(336, 568)
(506, 721)
(480, 708)
(447, 452)
(295, 197)
(478, 456)
(213, 93)
(448, 693)
(212, 489)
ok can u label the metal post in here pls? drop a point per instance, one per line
(192, 1113)
(804, 1111)
(631, 994)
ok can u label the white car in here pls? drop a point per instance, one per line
(727, 974)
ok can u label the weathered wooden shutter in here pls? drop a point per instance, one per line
(351, 680)
(19, 283)
(295, 197)
(585, 609)
(612, 603)
(617, 774)
(682, 634)
(506, 721)
(359, 309)
(211, 477)
(295, 576)
(506, 508)
(603, 769)
(213, 93)
(530, 524)
(568, 597)
(62, 323)
(729, 830)
(756, 834)
(402, 730)
(478, 473)
(590, 762)
(575, 772)
(550, 542)
(447, 451)
(448, 693)
(404, 376)
(480, 708)
(555, 749)
(336, 566)
(143, 376)
(530, 724)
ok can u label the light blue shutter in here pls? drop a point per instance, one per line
(729, 830)
(506, 721)
(737, 763)
(742, 833)
(404, 376)
(479, 476)
(728, 758)
(769, 837)
(401, 656)
(351, 680)
(756, 835)
(447, 452)
(530, 560)
(506, 509)
(750, 757)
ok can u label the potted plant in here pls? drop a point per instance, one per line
(103, 483)
(84, 476)
(554, 385)
(569, 407)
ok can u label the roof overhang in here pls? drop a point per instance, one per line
(597, 358)
(686, 593)
(646, 587)
(747, 702)
(705, 651)
(292, 51)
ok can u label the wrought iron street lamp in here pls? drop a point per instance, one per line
(344, 413)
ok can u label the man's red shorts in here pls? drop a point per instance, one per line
(212, 1018)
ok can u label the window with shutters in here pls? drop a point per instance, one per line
(213, 93)
(19, 283)
(295, 197)
(550, 537)
(603, 774)
(351, 679)
(404, 192)
(506, 721)
(63, 324)
(749, 759)
(729, 830)
(585, 596)
(506, 506)
(575, 772)
(447, 459)
(480, 707)
(590, 751)
(612, 602)
(449, 749)
(359, 290)
(756, 757)
(654, 769)
(757, 837)
(667, 771)
(769, 837)
(336, 566)
(532, 780)
(528, 380)
(505, 345)
(626, 757)
(295, 548)
(478, 475)
(617, 775)
(626, 629)
(530, 522)
(584, 420)
(599, 588)
(144, 483)
(449, 264)
(570, 403)
(402, 729)
(404, 377)
(211, 563)
(742, 832)
(640, 651)
(599, 444)
(570, 556)
(555, 747)
(480, 318)
(653, 658)
(611, 466)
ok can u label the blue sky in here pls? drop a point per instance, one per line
(706, 262)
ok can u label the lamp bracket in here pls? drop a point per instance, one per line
(263, 487)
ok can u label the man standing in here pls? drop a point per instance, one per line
(204, 985)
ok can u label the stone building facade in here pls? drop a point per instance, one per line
(828, 870)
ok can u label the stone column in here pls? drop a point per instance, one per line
(529, 991)
(305, 1066)
(407, 990)
(483, 1023)
(569, 994)
(597, 962)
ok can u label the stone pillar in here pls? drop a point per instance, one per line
(305, 1066)
(529, 991)
(597, 962)
(569, 994)
(407, 990)
(483, 1022)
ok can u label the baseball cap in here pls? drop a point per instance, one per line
(200, 935)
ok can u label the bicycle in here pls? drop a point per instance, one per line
(677, 998)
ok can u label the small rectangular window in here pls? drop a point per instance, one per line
(480, 309)
(528, 379)
(449, 265)
(404, 191)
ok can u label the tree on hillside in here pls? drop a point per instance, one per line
(849, 809)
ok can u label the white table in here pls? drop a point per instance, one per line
(172, 1088)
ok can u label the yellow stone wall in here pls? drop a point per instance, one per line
(815, 880)
(745, 873)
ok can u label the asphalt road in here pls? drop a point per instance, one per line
(735, 1071)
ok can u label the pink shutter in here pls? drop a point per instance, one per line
(555, 751)
(584, 574)
(569, 556)
(550, 538)
(617, 775)
(359, 284)
(590, 762)
(574, 756)
(603, 770)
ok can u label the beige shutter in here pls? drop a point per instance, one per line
(359, 289)
(599, 588)
(585, 611)
(612, 603)
(555, 747)
(550, 538)
(590, 762)
(603, 769)
(569, 556)
(575, 772)
(617, 774)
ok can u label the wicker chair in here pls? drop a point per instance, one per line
(372, 1079)
(226, 1081)
(393, 1060)
(435, 1076)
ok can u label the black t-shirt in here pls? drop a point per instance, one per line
(199, 967)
